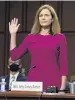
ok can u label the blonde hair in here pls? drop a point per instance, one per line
(55, 26)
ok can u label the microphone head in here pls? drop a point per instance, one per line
(34, 66)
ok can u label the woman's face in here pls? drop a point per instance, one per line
(45, 18)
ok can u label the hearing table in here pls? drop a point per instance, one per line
(26, 95)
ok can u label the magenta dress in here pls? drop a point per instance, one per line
(49, 55)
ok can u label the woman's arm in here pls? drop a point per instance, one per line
(16, 52)
(63, 60)
(19, 51)
(63, 82)
(12, 41)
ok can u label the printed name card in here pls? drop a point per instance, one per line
(27, 86)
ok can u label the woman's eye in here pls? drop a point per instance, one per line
(43, 15)
(46, 15)
(40, 15)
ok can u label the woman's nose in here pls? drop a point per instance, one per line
(43, 17)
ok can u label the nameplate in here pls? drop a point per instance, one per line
(27, 86)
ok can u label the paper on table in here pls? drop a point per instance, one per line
(50, 93)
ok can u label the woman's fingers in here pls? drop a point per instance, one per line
(18, 25)
(15, 21)
(13, 26)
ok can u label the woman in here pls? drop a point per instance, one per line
(47, 47)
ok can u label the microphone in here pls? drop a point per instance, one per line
(32, 67)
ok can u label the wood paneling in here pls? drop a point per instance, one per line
(71, 53)
(2, 16)
(68, 23)
(2, 65)
(54, 4)
(16, 11)
(31, 11)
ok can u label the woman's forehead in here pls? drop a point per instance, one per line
(44, 11)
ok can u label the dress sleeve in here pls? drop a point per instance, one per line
(19, 51)
(63, 57)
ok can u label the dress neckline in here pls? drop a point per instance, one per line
(45, 35)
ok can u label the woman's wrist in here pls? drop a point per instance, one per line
(61, 90)
(14, 34)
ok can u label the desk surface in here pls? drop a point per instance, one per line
(35, 94)
(2, 94)
(49, 95)
(23, 94)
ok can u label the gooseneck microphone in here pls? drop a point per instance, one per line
(32, 67)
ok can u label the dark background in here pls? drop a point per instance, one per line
(25, 12)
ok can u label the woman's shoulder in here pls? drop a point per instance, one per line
(28, 37)
(61, 35)
(61, 38)
(30, 34)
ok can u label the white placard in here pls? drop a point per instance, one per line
(27, 86)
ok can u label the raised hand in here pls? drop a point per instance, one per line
(13, 26)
